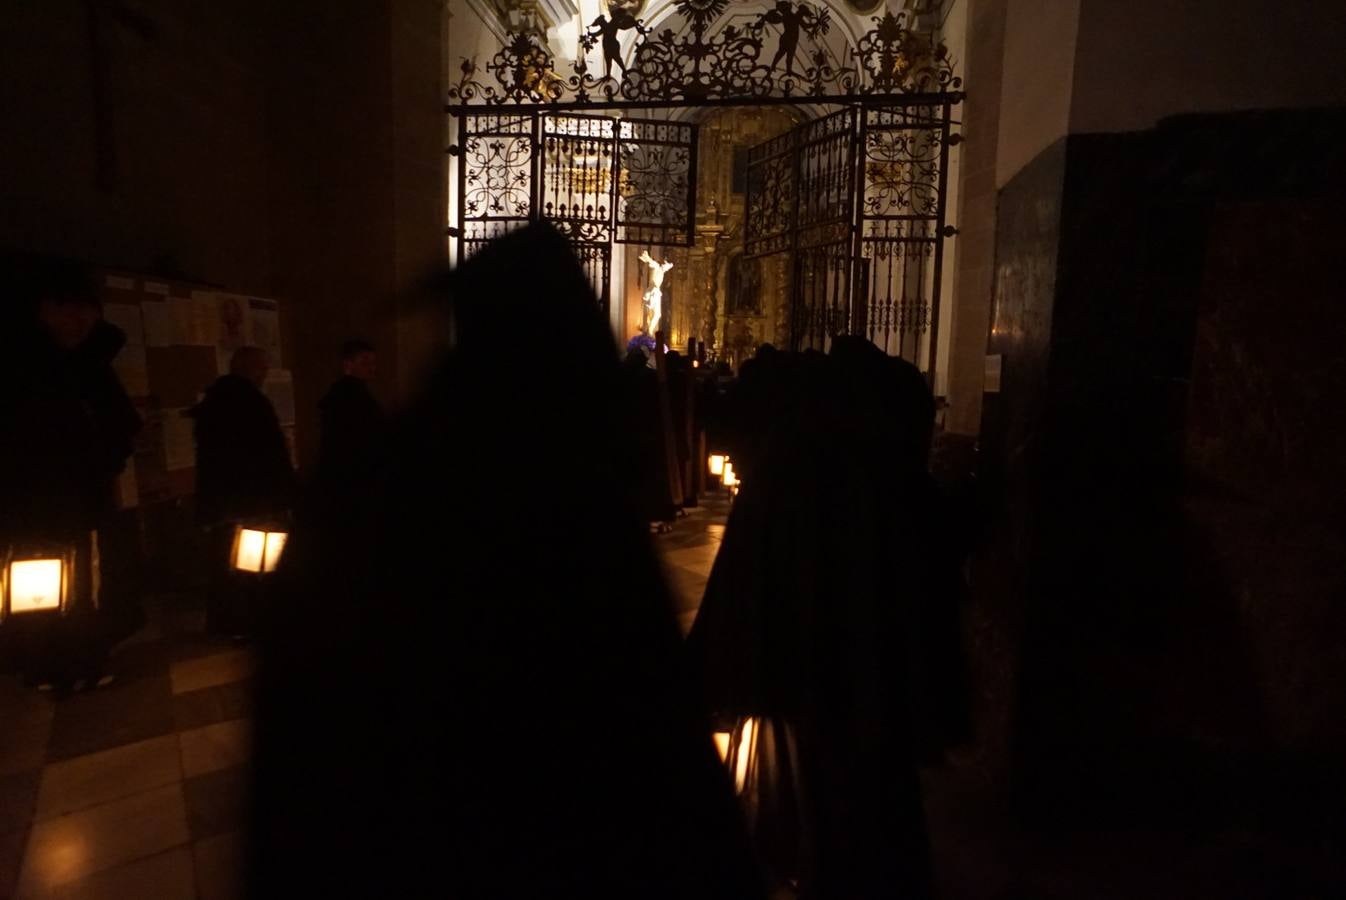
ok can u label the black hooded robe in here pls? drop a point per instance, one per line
(502, 711)
(69, 430)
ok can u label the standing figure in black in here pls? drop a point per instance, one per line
(446, 655)
(830, 618)
(353, 423)
(243, 473)
(68, 429)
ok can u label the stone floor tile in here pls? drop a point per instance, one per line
(26, 715)
(97, 778)
(219, 746)
(11, 858)
(219, 867)
(210, 671)
(196, 709)
(217, 803)
(131, 709)
(164, 876)
(18, 798)
(73, 847)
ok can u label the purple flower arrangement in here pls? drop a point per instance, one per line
(644, 341)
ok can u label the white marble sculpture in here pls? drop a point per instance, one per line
(654, 297)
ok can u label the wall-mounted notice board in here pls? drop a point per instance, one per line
(179, 338)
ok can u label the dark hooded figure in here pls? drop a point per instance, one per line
(243, 475)
(828, 616)
(502, 710)
(353, 424)
(649, 479)
(68, 429)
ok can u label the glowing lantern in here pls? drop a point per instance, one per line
(738, 751)
(728, 478)
(258, 549)
(717, 461)
(36, 580)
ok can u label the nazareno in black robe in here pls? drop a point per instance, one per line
(830, 619)
(473, 686)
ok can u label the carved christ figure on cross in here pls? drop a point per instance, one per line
(654, 297)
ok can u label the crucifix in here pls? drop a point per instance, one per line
(654, 297)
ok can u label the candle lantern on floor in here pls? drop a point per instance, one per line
(728, 478)
(42, 578)
(257, 548)
(738, 751)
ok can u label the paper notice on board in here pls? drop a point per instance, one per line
(160, 325)
(279, 389)
(265, 322)
(195, 319)
(179, 445)
(126, 316)
(234, 328)
(128, 494)
(132, 366)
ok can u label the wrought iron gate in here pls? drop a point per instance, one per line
(600, 180)
(857, 199)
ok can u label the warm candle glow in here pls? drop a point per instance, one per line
(275, 545)
(249, 550)
(722, 745)
(258, 551)
(738, 757)
(34, 585)
(717, 461)
(729, 478)
(745, 748)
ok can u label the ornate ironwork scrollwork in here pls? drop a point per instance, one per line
(699, 62)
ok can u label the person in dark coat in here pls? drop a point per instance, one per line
(353, 425)
(439, 654)
(69, 429)
(829, 618)
(243, 474)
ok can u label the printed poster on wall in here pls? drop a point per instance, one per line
(234, 327)
(195, 320)
(279, 389)
(179, 445)
(132, 367)
(161, 327)
(264, 316)
(130, 363)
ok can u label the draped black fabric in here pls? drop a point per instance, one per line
(68, 429)
(473, 686)
(351, 446)
(649, 478)
(830, 616)
(243, 467)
